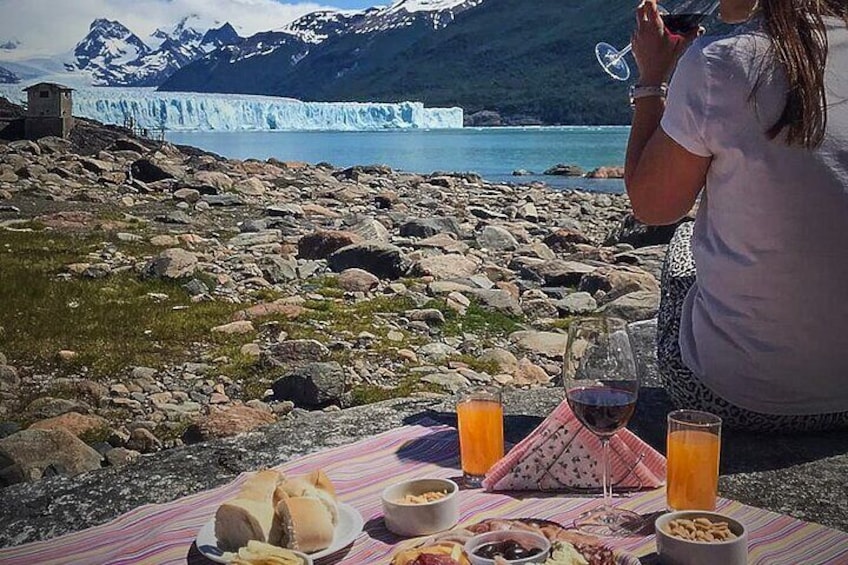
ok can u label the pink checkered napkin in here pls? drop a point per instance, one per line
(561, 455)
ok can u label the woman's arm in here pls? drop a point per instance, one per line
(662, 178)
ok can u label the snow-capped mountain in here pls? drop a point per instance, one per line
(10, 44)
(114, 56)
(8, 77)
(108, 46)
(261, 62)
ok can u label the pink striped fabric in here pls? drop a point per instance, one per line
(163, 534)
(562, 454)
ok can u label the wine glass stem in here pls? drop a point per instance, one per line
(620, 55)
(607, 479)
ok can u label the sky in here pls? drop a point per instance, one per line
(42, 27)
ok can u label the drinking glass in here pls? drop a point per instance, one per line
(601, 385)
(479, 416)
(679, 17)
(693, 447)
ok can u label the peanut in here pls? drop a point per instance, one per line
(700, 529)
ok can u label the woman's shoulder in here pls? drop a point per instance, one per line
(740, 54)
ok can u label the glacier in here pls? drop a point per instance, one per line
(186, 111)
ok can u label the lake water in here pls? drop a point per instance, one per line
(494, 153)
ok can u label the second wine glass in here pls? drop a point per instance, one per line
(601, 385)
(679, 16)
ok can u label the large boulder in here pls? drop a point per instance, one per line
(634, 306)
(49, 407)
(618, 280)
(173, 263)
(357, 280)
(451, 266)
(31, 454)
(549, 344)
(153, 170)
(426, 227)
(380, 259)
(312, 386)
(564, 170)
(220, 182)
(76, 423)
(565, 240)
(283, 353)
(497, 238)
(322, 244)
(226, 422)
(557, 272)
(632, 231)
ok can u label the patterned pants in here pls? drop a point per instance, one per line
(685, 389)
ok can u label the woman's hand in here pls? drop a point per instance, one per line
(656, 50)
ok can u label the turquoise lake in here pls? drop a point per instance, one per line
(494, 153)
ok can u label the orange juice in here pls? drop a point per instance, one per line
(693, 457)
(481, 441)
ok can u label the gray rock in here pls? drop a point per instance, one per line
(539, 308)
(436, 353)
(565, 170)
(372, 230)
(557, 272)
(632, 231)
(153, 170)
(9, 379)
(196, 287)
(49, 407)
(446, 267)
(453, 382)
(281, 354)
(380, 259)
(498, 300)
(278, 269)
(485, 213)
(426, 227)
(577, 303)
(174, 263)
(634, 306)
(505, 360)
(643, 340)
(222, 200)
(549, 344)
(497, 238)
(428, 315)
(250, 239)
(221, 182)
(322, 244)
(143, 441)
(284, 211)
(357, 280)
(618, 280)
(9, 428)
(121, 456)
(189, 195)
(177, 217)
(312, 386)
(26, 455)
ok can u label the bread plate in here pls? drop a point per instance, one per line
(348, 529)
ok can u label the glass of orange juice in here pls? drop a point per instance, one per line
(481, 437)
(693, 448)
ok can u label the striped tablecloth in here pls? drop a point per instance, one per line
(163, 534)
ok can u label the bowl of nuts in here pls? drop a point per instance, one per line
(695, 537)
(421, 507)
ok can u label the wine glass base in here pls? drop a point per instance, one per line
(610, 522)
(612, 61)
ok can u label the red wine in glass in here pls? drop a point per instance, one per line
(602, 409)
(682, 24)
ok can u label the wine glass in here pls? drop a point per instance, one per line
(678, 16)
(601, 386)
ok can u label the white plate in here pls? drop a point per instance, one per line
(349, 527)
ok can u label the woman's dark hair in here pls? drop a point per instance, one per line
(798, 37)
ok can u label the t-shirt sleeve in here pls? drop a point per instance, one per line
(686, 109)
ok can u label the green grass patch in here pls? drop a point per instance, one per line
(476, 320)
(111, 323)
(479, 365)
(368, 393)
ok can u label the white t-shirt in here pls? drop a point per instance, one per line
(766, 324)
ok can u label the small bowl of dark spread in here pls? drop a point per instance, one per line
(514, 547)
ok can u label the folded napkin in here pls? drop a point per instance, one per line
(561, 454)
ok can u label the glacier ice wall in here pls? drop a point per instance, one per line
(185, 111)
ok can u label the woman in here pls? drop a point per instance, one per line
(756, 124)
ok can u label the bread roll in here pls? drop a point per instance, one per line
(315, 485)
(249, 516)
(304, 524)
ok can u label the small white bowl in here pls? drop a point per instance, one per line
(527, 539)
(676, 551)
(423, 519)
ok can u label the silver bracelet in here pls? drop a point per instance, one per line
(638, 91)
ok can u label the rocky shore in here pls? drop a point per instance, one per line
(154, 295)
